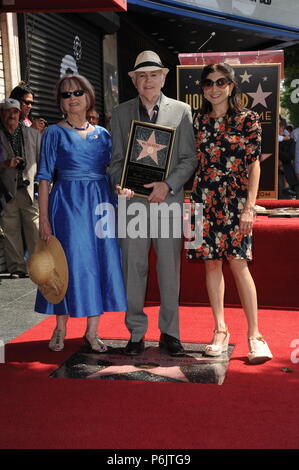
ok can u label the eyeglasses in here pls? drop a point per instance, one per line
(220, 82)
(67, 94)
(28, 102)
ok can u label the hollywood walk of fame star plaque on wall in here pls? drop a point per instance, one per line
(258, 86)
(148, 156)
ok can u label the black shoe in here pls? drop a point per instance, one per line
(172, 345)
(134, 348)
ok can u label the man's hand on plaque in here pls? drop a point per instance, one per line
(159, 192)
(126, 192)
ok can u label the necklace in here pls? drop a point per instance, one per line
(78, 128)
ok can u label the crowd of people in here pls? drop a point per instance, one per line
(78, 165)
(20, 147)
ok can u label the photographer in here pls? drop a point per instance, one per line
(20, 151)
(287, 157)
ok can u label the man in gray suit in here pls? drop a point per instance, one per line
(151, 105)
(18, 165)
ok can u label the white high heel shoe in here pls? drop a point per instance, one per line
(56, 343)
(259, 351)
(216, 350)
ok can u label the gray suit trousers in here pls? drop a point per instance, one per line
(135, 259)
(19, 220)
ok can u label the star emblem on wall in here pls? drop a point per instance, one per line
(259, 97)
(150, 148)
(245, 77)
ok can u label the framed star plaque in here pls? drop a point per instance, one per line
(148, 156)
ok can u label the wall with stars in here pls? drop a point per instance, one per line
(259, 85)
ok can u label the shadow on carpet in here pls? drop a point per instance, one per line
(153, 365)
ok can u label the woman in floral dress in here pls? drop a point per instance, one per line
(228, 142)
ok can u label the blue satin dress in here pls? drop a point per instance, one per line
(79, 198)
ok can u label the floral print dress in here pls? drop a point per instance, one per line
(224, 152)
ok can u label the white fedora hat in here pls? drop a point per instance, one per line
(148, 61)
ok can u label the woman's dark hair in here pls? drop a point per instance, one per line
(234, 103)
(20, 91)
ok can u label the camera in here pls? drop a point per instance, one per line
(21, 165)
(24, 184)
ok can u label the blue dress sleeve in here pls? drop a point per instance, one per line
(48, 154)
(106, 142)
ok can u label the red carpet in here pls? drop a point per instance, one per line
(274, 269)
(273, 203)
(255, 408)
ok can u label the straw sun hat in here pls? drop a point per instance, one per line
(47, 267)
(148, 61)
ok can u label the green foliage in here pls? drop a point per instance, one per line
(291, 72)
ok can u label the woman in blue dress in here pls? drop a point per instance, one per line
(75, 154)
